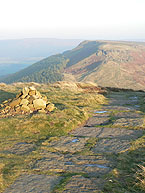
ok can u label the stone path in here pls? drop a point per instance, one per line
(34, 183)
(79, 161)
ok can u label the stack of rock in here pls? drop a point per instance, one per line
(28, 101)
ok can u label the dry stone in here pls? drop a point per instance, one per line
(24, 102)
(29, 100)
(32, 88)
(50, 107)
(34, 183)
(15, 102)
(31, 106)
(32, 92)
(39, 104)
(25, 91)
(25, 108)
(41, 111)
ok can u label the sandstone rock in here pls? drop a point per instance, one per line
(31, 106)
(15, 102)
(29, 100)
(25, 91)
(27, 97)
(50, 107)
(38, 94)
(25, 108)
(19, 95)
(32, 92)
(18, 109)
(35, 97)
(32, 88)
(44, 98)
(39, 104)
(7, 108)
(24, 102)
(41, 111)
(23, 96)
(6, 101)
(1, 105)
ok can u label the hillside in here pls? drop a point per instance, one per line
(18, 54)
(107, 63)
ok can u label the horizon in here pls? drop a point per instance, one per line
(53, 38)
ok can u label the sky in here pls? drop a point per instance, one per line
(72, 19)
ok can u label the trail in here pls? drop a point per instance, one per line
(79, 162)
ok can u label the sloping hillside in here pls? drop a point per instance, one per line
(17, 54)
(47, 70)
(116, 64)
(107, 63)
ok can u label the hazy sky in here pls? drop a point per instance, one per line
(85, 19)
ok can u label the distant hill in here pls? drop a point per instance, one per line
(19, 54)
(107, 63)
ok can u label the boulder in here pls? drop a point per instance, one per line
(38, 94)
(19, 95)
(50, 107)
(32, 92)
(31, 106)
(1, 105)
(24, 102)
(6, 101)
(15, 102)
(25, 108)
(44, 98)
(35, 97)
(25, 91)
(18, 109)
(32, 88)
(41, 111)
(39, 104)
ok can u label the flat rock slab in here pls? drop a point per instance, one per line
(128, 122)
(90, 164)
(128, 115)
(118, 108)
(96, 120)
(34, 183)
(69, 144)
(111, 146)
(79, 184)
(86, 131)
(123, 102)
(119, 133)
(104, 132)
(22, 148)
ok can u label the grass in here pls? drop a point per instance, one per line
(140, 175)
(66, 178)
(123, 178)
(129, 174)
(72, 109)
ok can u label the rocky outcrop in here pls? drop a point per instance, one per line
(29, 100)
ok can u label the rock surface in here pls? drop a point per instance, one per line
(29, 100)
(34, 183)
(84, 157)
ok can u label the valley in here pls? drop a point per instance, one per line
(17, 54)
(106, 63)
